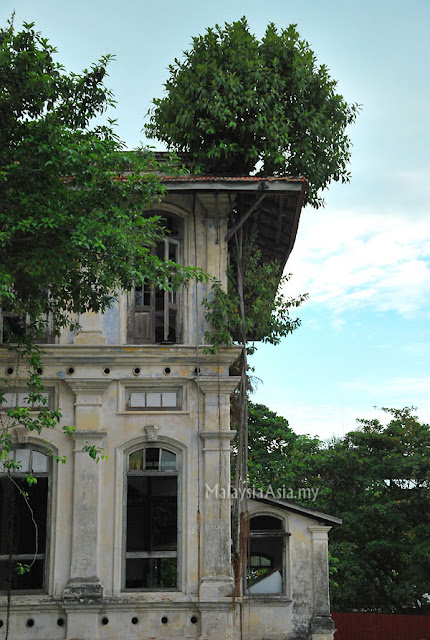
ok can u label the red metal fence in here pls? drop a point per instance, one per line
(381, 626)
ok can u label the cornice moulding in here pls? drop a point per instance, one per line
(132, 354)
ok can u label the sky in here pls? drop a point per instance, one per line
(364, 341)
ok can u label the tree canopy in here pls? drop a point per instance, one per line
(235, 102)
(71, 229)
(377, 479)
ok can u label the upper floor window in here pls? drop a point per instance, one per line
(266, 556)
(153, 399)
(14, 326)
(154, 314)
(151, 536)
(19, 398)
(23, 521)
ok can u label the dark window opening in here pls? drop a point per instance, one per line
(153, 315)
(17, 529)
(151, 543)
(266, 557)
(13, 327)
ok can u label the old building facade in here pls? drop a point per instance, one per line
(138, 545)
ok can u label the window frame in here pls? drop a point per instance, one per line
(178, 473)
(48, 337)
(46, 553)
(21, 390)
(171, 300)
(165, 384)
(281, 533)
(154, 389)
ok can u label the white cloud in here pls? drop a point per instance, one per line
(328, 420)
(348, 260)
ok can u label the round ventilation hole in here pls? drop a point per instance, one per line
(70, 371)
(136, 371)
(197, 371)
(167, 371)
(164, 619)
(60, 622)
(105, 621)
(39, 371)
(30, 622)
(9, 371)
(106, 371)
(194, 619)
(134, 620)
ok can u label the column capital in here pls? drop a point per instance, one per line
(88, 386)
(319, 532)
(217, 440)
(214, 384)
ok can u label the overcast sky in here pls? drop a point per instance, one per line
(364, 259)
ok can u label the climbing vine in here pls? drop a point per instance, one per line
(266, 314)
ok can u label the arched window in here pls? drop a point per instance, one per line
(266, 557)
(151, 536)
(154, 314)
(23, 521)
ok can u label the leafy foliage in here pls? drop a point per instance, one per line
(266, 314)
(377, 479)
(278, 457)
(39, 420)
(72, 233)
(235, 102)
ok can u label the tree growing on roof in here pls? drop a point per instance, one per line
(235, 102)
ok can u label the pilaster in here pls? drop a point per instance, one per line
(217, 577)
(322, 625)
(91, 329)
(84, 583)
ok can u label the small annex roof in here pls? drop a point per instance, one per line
(285, 505)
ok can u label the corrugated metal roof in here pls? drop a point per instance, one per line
(191, 178)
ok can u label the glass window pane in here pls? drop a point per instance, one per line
(266, 523)
(168, 460)
(173, 314)
(137, 400)
(135, 461)
(169, 399)
(23, 526)
(45, 401)
(39, 462)
(173, 251)
(151, 573)
(138, 297)
(9, 400)
(23, 456)
(147, 295)
(151, 513)
(152, 457)
(153, 399)
(32, 579)
(23, 400)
